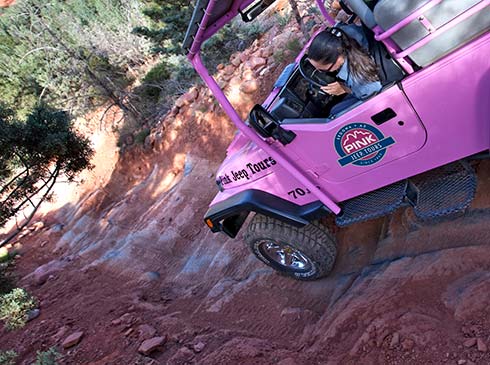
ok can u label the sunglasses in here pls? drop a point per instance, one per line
(327, 70)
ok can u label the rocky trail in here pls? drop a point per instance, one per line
(126, 272)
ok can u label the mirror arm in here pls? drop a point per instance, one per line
(282, 135)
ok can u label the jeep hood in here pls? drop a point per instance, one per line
(246, 164)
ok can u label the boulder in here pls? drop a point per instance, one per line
(42, 273)
(235, 60)
(228, 70)
(257, 62)
(266, 52)
(249, 87)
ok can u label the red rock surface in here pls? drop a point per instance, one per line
(5, 3)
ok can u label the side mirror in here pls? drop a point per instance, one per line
(268, 127)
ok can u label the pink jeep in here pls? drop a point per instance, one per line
(408, 145)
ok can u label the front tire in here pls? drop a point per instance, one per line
(306, 253)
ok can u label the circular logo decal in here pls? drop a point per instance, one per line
(361, 144)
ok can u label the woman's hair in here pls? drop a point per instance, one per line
(331, 43)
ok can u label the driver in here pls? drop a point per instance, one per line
(332, 50)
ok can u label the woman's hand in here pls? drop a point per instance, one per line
(336, 88)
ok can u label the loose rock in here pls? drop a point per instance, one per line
(266, 52)
(199, 347)
(73, 339)
(407, 344)
(32, 314)
(257, 62)
(470, 342)
(148, 346)
(481, 345)
(184, 355)
(235, 60)
(42, 273)
(395, 340)
(287, 361)
(229, 70)
(127, 318)
(146, 331)
(61, 332)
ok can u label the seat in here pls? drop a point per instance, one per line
(387, 13)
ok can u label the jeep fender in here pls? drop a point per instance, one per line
(229, 215)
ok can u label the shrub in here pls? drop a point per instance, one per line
(141, 136)
(48, 357)
(282, 19)
(294, 45)
(6, 280)
(14, 307)
(157, 74)
(7, 357)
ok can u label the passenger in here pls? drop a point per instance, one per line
(332, 50)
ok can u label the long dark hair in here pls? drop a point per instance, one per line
(331, 43)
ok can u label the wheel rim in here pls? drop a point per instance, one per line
(285, 256)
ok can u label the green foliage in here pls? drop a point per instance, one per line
(8, 357)
(6, 282)
(279, 56)
(294, 45)
(48, 357)
(168, 24)
(72, 53)
(158, 73)
(14, 308)
(282, 19)
(141, 136)
(34, 152)
(6, 277)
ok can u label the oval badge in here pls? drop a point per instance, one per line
(361, 144)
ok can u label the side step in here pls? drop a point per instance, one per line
(446, 190)
(374, 204)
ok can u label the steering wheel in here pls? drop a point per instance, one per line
(317, 79)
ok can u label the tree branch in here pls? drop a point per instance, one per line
(4, 187)
(28, 220)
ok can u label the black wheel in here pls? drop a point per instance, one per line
(306, 253)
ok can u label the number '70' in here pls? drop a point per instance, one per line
(298, 192)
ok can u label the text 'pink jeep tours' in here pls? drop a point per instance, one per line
(293, 165)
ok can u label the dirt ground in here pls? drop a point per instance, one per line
(125, 257)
